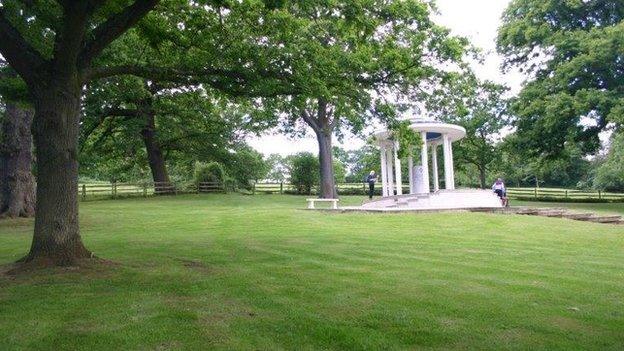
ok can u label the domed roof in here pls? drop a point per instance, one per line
(434, 129)
(417, 112)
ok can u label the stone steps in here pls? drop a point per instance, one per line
(406, 202)
(606, 219)
(578, 216)
(551, 213)
(559, 213)
(554, 214)
(529, 212)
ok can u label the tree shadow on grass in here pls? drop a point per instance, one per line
(95, 267)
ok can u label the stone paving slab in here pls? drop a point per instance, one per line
(529, 211)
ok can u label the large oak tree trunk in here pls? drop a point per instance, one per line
(328, 183)
(55, 83)
(155, 156)
(17, 184)
(323, 126)
(56, 240)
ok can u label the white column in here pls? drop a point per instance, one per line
(384, 172)
(410, 165)
(452, 165)
(389, 169)
(397, 167)
(424, 159)
(448, 164)
(434, 165)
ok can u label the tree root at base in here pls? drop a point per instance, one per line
(33, 263)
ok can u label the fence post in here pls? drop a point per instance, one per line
(281, 187)
(253, 189)
(144, 189)
(113, 188)
(566, 194)
(599, 195)
(84, 191)
(536, 193)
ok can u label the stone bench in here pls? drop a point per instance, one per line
(334, 203)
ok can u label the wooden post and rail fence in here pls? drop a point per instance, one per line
(144, 189)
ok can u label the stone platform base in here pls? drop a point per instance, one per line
(441, 200)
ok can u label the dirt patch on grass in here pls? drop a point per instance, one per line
(196, 265)
(569, 324)
(451, 323)
(95, 267)
(170, 345)
(514, 336)
(4, 277)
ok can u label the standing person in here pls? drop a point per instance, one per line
(499, 189)
(371, 179)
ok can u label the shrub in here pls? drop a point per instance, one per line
(246, 166)
(212, 172)
(610, 174)
(304, 172)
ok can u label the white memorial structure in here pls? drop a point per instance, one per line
(424, 191)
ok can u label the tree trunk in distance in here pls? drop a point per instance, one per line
(155, 156)
(56, 239)
(482, 177)
(17, 184)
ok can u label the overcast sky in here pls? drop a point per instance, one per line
(476, 19)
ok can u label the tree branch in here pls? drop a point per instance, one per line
(69, 38)
(122, 112)
(323, 116)
(24, 59)
(105, 134)
(171, 74)
(169, 144)
(112, 112)
(113, 28)
(385, 78)
(311, 121)
(232, 82)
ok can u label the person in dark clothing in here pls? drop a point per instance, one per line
(371, 179)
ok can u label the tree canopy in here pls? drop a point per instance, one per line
(573, 51)
(481, 107)
(58, 47)
(354, 61)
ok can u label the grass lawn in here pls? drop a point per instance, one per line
(239, 272)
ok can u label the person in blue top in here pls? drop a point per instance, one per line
(371, 179)
(499, 189)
